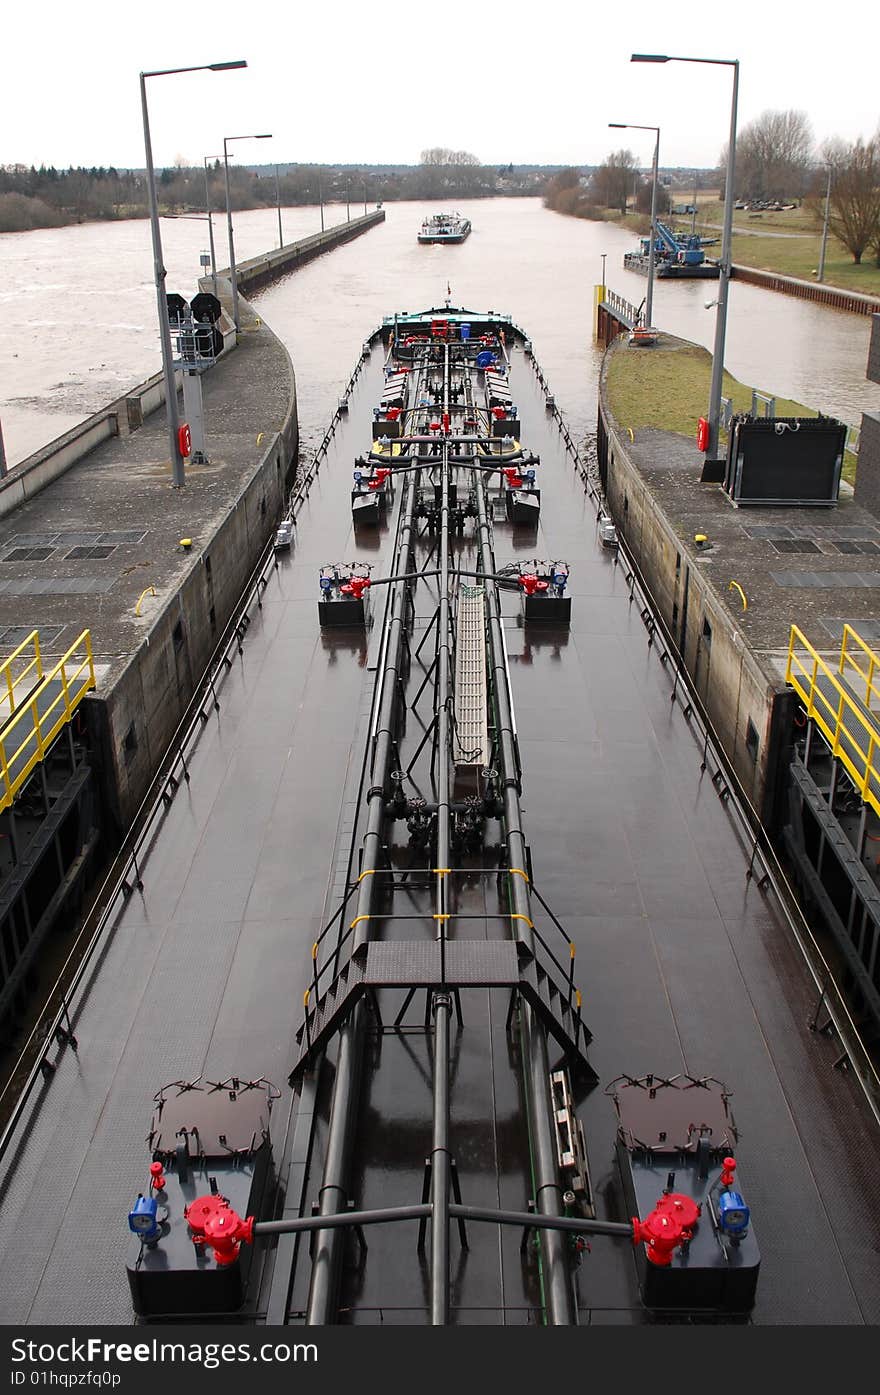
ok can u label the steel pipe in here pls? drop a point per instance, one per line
(340, 1138)
(558, 1290)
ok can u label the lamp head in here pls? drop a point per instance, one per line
(649, 58)
(222, 67)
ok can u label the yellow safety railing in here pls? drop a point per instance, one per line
(852, 737)
(863, 662)
(27, 735)
(24, 677)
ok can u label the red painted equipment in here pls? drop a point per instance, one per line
(446, 423)
(215, 1225)
(727, 1176)
(669, 1225)
(184, 439)
(702, 434)
(356, 586)
(498, 413)
(378, 478)
(513, 476)
(530, 584)
(393, 413)
(157, 1177)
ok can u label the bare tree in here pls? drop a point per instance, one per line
(773, 156)
(612, 182)
(439, 155)
(854, 210)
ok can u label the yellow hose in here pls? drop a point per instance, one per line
(150, 591)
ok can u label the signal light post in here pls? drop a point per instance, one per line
(177, 470)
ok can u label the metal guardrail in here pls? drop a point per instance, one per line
(14, 677)
(623, 308)
(865, 670)
(852, 737)
(37, 721)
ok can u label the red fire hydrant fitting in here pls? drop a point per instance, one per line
(669, 1225)
(215, 1225)
(157, 1176)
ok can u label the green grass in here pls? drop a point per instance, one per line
(668, 387)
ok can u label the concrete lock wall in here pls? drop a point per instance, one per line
(148, 700)
(730, 682)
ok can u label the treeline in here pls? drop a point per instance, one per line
(48, 197)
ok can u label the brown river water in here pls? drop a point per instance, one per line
(78, 309)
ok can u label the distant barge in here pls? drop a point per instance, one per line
(445, 227)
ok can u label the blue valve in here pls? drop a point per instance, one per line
(142, 1219)
(559, 580)
(733, 1215)
(326, 583)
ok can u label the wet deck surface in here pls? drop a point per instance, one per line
(683, 964)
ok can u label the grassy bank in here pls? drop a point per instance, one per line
(667, 387)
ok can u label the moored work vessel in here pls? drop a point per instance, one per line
(677, 256)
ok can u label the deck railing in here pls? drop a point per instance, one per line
(19, 674)
(846, 725)
(27, 735)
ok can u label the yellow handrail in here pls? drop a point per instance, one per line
(867, 672)
(32, 640)
(839, 717)
(41, 728)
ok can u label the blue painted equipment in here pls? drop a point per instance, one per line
(142, 1219)
(733, 1215)
(484, 358)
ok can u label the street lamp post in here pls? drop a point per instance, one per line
(321, 199)
(210, 224)
(177, 474)
(712, 446)
(649, 301)
(821, 272)
(278, 206)
(348, 202)
(227, 141)
(603, 255)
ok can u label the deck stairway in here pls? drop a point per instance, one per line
(438, 965)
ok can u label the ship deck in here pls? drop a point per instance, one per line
(683, 962)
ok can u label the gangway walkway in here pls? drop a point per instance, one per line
(684, 961)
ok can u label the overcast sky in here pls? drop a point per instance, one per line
(366, 82)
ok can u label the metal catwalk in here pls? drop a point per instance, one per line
(682, 962)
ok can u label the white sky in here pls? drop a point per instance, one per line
(367, 82)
